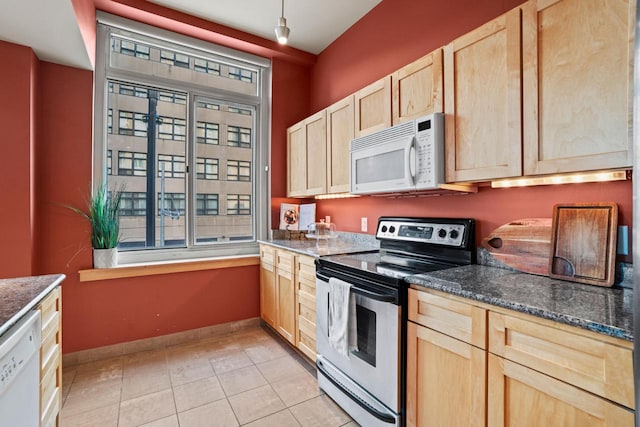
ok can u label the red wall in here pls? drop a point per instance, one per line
(17, 190)
(394, 34)
(46, 114)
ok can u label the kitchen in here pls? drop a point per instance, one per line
(52, 167)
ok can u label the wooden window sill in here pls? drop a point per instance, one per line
(165, 268)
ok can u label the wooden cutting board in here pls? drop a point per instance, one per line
(523, 244)
(583, 244)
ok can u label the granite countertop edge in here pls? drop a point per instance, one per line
(457, 287)
(309, 247)
(36, 288)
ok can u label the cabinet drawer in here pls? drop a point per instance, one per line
(457, 319)
(602, 368)
(306, 269)
(267, 254)
(50, 305)
(284, 261)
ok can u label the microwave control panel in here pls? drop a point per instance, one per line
(429, 155)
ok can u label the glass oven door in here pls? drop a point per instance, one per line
(375, 364)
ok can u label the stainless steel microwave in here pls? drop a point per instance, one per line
(405, 157)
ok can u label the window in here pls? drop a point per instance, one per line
(204, 66)
(110, 121)
(238, 204)
(174, 58)
(208, 110)
(238, 170)
(208, 133)
(133, 204)
(134, 49)
(240, 74)
(206, 204)
(109, 162)
(239, 137)
(171, 204)
(132, 164)
(172, 128)
(130, 123)
(172, 166)
(207, 168)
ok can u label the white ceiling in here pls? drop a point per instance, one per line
(51, 29)
(314, 24)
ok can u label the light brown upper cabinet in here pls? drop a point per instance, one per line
(373, 107)
(577, 64)
(307, 156)
(340, 132)
(417, 88)
(483, 126)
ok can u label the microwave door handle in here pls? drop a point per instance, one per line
(410, 159)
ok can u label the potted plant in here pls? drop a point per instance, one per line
(102, 213)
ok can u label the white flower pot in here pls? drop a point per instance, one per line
(105, 258)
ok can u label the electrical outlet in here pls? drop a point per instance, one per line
(363, 224)
(623, 240)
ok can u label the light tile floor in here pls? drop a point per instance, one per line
(248, 378)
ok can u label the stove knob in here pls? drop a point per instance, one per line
(442, 233)
(392, 229)
(384, 229)
(453, 234)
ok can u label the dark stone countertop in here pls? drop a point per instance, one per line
(21, 294)
(604, 310)
(343, 244)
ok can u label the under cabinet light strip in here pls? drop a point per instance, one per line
(561, 179)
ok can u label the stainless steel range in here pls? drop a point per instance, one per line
(361, 341)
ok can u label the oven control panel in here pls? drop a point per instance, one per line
(449, 234)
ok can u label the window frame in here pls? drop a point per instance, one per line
(260, 101)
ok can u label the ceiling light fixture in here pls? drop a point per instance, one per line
(282, 31)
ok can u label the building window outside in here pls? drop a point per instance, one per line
(134, 49)
(208, 133)
(131, 123)
(238, 170)
(109, 162)
(173, 166)
(204, 66)
(206, 204)
(174, 58)
(189, 214)
(240, 74)
(132, 164)
(133, 204)
(238, 204)
(239, 137)
(174, 204)
(172, 128)
(207, 168)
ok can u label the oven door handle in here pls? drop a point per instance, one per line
(373, 295)
(364, 292)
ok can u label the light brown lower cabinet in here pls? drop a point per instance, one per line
(51, 359)
(520, 396)
(505, 368)
(446, 381)
(288, 296)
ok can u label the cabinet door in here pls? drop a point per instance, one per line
(373, 107)
(446, 380)
(417, 88)
(306, 157)
(519, 396)
(51, 359)
(577, 66)
(268, 294)
(285, 296)
(306, 306)
(340, 124)
(482, 103)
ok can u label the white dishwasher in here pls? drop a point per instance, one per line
(20, 373)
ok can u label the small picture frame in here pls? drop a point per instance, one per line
(289, 216)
